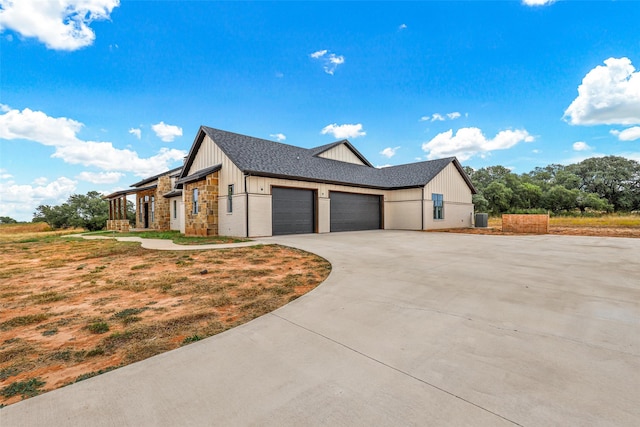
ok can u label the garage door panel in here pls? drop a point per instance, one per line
(352, 212)
(293, 211)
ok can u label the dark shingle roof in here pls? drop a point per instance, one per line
(172, 193)
(197, 175)
(129, 191)
(175, 171)
(262, 157)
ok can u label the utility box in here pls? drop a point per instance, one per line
(482, 220)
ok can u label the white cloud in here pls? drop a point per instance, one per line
(537, 2)
(37, 126)
(437, 117)
(278, 136)
(630, 134)
(100, 177)
(59, 24)
(344, 131)
(468, 142)
(536, 151)
(383, 166)
(137, 132)
(319, 54)
(609, 94)
(41, 181)
(4, 108)
(166, 132)
(61, 133)
(4, 174)
(20, 201)
(330, 61)
(581, 146)
(389, 152)
(402, 27)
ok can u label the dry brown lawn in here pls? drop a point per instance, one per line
(604, 226)
(71, 309)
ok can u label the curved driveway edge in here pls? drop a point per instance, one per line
(168, 245)
(410, 328)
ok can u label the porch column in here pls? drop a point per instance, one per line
(124, 207)
(110, 209)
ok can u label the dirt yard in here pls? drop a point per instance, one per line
(71, 309)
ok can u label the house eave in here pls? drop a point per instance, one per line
(326, 181)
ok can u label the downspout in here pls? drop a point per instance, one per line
(246, 205)
(422, 209)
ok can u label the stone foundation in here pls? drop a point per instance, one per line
(535, 224)
(119, 225)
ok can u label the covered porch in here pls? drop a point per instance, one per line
(118, 220)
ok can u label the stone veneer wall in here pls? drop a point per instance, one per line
(150, 193)
(163, 209)
(120, 225)
(205, 222)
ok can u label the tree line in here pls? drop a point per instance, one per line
(89, 211)
(598, 184)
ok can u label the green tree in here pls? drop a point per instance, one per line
(559, 198)
(499, 197)
(530, 194)
(7, 220)
(480, 204)
(613, 178)
(88, 211)
(586, 201)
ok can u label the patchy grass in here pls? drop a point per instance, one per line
(28, 388)
(98, 327)
(71, 308)
(173, 235)
(23, 321)
(31, 232)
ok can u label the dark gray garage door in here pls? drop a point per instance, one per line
(350, 212)
(293, 211)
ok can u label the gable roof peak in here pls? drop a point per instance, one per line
(324, 148)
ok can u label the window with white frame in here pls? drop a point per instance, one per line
(230, 199)
(438, 206)
(153, 208)
(175, 209)
(195, 201)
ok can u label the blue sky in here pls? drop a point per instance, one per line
(96, 94)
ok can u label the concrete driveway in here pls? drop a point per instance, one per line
(410, 329)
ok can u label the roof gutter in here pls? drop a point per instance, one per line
(326, 181)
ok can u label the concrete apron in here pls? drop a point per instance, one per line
(409, 329)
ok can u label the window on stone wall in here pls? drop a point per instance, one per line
(438, 206)
(153, 208)
(175, 209)
(195, 201)
(230, 199)
(140, 208)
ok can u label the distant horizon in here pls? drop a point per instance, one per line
(100, 94)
